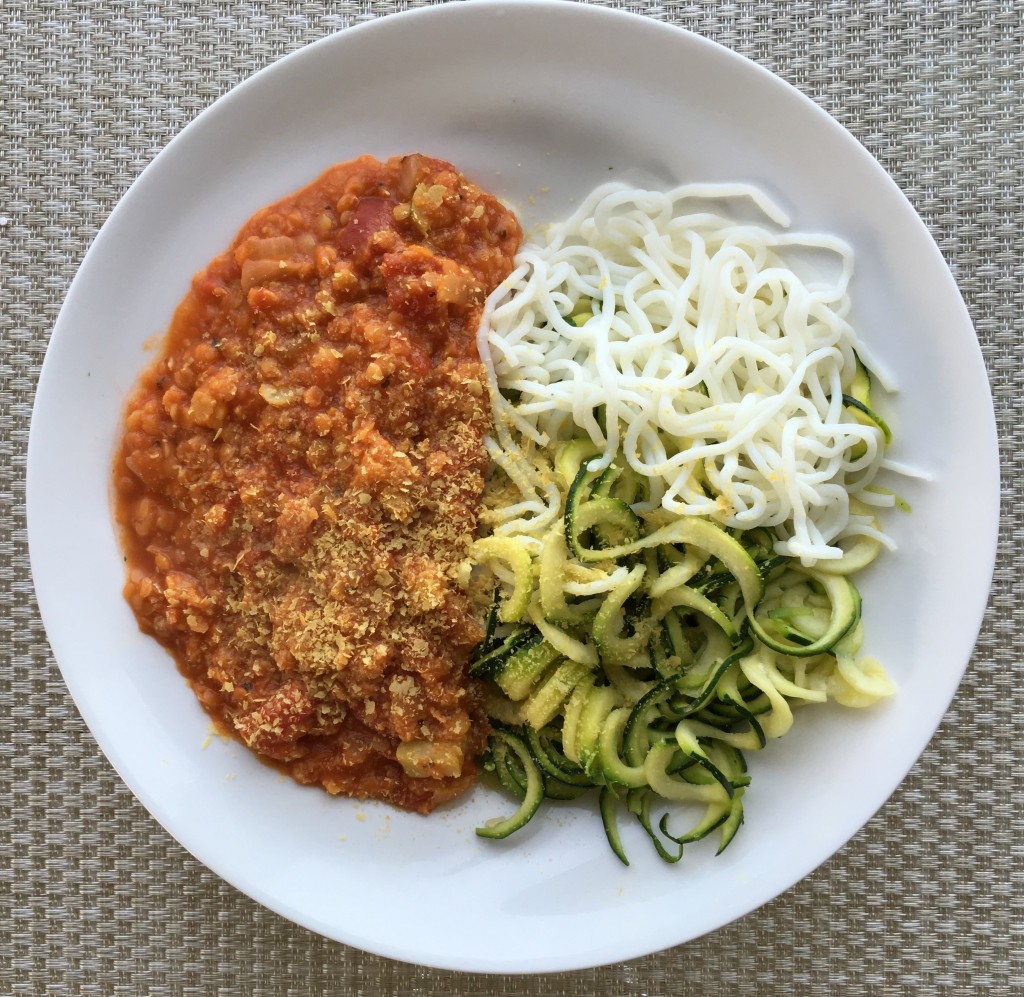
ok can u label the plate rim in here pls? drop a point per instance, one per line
(223, 106)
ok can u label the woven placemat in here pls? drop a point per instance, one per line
(96, 899)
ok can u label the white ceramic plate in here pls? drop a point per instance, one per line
(538, 102)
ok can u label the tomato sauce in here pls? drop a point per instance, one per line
(300, 475)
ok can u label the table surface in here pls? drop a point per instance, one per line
(96, 899)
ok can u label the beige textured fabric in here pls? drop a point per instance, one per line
(96, 899)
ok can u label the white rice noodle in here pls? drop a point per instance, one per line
(720, 367)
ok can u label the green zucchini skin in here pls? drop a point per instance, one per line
(647, 692)
(532, 792)
(517, 674)
(490, 662)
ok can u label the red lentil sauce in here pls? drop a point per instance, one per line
(301, 472)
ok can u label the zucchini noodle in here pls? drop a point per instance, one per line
(684, 455)
(691, 645)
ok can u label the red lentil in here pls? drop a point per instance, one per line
(300, 475)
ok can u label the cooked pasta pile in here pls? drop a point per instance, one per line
(658, 327)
